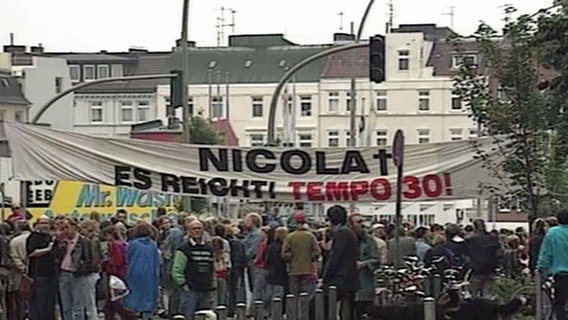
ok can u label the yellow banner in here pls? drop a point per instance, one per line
(51, 198)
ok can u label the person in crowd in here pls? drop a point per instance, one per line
(300, 251)
(115, 265)
(74, 264)
(143, 272)
(194, 271)
(368, 262)
(341, 268)
(535, 242)
(222, 263)
(421, 243)
(173, 240)
(553, 260)
(407, 246)
(512, 258)
(379, 235)
(90, 272)
(276, 268)
(484, 253)
(440, 249)
(236, 284)
(16, 303)
(252, 224)
(43, 256)
(6, 264)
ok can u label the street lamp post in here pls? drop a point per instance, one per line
(185, 72)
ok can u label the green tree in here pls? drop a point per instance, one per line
(512, 110)
(203, 133)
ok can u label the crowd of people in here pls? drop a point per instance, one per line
(60, 268)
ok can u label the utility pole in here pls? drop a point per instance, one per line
(341, 14)
(186, 135)
(451, 13)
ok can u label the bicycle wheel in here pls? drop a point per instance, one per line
(529, 310)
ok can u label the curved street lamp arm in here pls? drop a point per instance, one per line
(91, 83)
(274, 102)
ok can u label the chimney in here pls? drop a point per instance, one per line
(137, 50)
(37, 49)
(343, 37)
(14, 49)
(190, 44)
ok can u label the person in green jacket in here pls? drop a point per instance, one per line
(553, 260)
(194, 272)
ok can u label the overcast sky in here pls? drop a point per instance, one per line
(116, 25)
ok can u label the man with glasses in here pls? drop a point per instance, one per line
(194, 272)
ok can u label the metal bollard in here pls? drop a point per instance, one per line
(437, 286)
(291, 307)
(200, 316)
(332, 303)
(258, 310)
(429, 309)
(222, 313)
(319, 305)
(276, 309)
(241, 311)
(304, 307)
(427, 284)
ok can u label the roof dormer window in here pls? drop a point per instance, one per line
(248, 63)
(212, 64)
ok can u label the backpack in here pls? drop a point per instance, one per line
(238, 253)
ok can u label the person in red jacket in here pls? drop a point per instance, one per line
(115, 265)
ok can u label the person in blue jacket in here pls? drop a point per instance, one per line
(553, 260)
(143, 272)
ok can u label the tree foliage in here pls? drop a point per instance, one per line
(202, 132)
(527, 124)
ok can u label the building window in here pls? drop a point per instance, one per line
(2, 112)
(217, 106)
(473, 133)
(333, 138)
(89, 73)
(469, 60)
(333, 101)
(423, 100)
(126, 111)
(102, 71)
(305, 140)
(381, 100)
(306, 106)
(74, 73)
(19, 116)
(190, 105)
(423, 136)
(403, 60)
(257, 107)
(58, 85)
(381, 137)
(456, 134)
(96, 111)
(348, 101)
(256, 140)
(143, 111)
(456, 103)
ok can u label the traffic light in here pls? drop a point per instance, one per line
(176, 92)
(377, 58)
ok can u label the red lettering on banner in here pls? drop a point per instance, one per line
(296, 189)
(380, 189)
(412, 187)
(432, 186)
(313, 191)
(337, 191)
(448, 183)
(358, 188)
(383, 194)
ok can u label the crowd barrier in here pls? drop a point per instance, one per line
(301, 312)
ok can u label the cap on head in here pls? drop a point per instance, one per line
(299, 217)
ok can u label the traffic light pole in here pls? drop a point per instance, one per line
(271, 127)
(56, 98)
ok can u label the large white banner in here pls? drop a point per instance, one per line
(440, 171)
